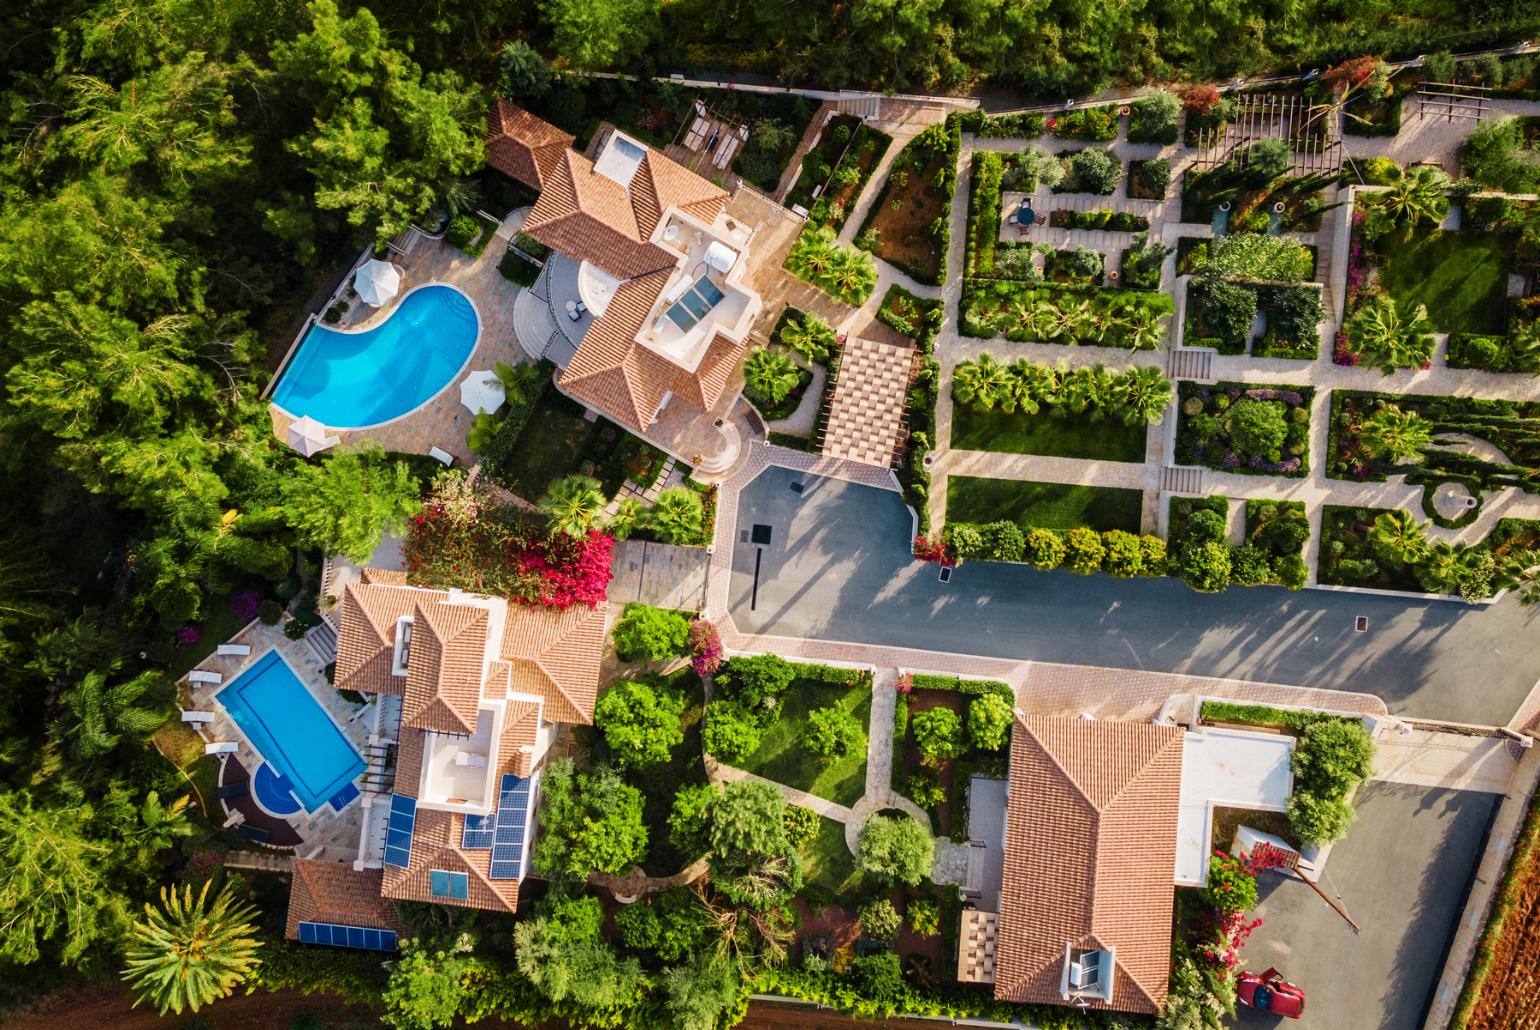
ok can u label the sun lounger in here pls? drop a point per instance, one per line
(221, 747)
(725, 154)
(235, 649)
(197, 718)
(252, 833)
(203, 676)
(439, 454)
(230, 791)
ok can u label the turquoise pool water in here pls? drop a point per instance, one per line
(349, 380)
(291, 729)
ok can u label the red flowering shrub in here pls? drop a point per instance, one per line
(561, 571)
(934, 550)
(1351, 73)
(1231, 886)
(1201, 98)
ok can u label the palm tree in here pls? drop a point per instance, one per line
(1387, 339)
(1419, 195)
(1395, 435)
(626, 517)
(1446, 567)
(1142, 395)
(1143, 329)
(575, 505)
(1083, 389)
(808, 336)
(770, 375)
(854, 273)
(187, 954)
(1044, 322)
(982, 381)
(1398, 536)
(678, 516)
(459, 195)
(106, 714)
(812, 256)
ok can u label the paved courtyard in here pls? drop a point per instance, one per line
(838, 567)
(1384, 977)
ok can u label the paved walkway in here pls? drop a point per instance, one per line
(1430, 758)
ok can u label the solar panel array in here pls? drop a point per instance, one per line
(339, 936)
(509, 828)
(445, 884)
(398, 833)
(476, 834)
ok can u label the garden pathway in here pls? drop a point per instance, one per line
(721, 772)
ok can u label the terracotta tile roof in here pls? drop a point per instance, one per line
(556, 655)
(589, 217)
(662, 183)
(1090, 856)
(409, 763)
(393, 577)
(443, 682)
(866, 411)
(367, 638)
(523, 146)
(334, 892)
(704, 387)
(614, 373)
(436, 845)
(516, 746)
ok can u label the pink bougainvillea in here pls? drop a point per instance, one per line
(934, 551)
(705, 648)
(187, 636)
(565, 570)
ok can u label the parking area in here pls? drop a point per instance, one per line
(837, 566)
(1402, 873)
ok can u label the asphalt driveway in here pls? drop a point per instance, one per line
(838, 567)
(1402, 873)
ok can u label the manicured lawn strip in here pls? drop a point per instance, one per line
(1049, 505)
(1462, 277)
(219, 626)
(828, 865)
(783, 755)
(479, 244)
(549, 447)
(1107, 439)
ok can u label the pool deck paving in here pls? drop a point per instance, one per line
(325, 832)
(442, 421)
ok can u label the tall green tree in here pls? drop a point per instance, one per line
(102, 714)
(595, 34)
(575, 505)
(349, 500)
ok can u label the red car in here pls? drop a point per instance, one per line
(1269, 992)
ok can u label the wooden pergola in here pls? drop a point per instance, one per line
(1452, 100)
(1313, 132)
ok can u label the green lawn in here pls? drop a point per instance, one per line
(1048, 505)
(1461, 276)
(783, 758)
(550, 447)
(827, 863)
(1107, 439)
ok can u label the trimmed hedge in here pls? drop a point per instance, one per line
(834, 675)
(499, 450)
(1109, 221)
(961, 684)
(984, 212)
(1294, 721)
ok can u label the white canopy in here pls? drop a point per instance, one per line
(721, 257)
(376, 281)
(482, 391)
(308, 436)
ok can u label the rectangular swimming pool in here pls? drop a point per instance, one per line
(292, 731)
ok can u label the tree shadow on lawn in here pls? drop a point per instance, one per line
(783, 755)
(1462, 277)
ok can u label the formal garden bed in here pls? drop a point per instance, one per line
(1029, 125)
(1153, 119)
(799, 724)
(1140, 266)
(816, 345)
(1089, 316)
(1149, 179)
(1026, 408)
(1097, 124)
(1094, 170)
(1235, 427)
(909, 225)
(1374, 435)
(1104, 220)
(946, 730)
(1079, 267)
(1389, 550)
(1515, 345)
(1271, 550)
(471, 233)
(837, 169)
(1222, 314)
(845, 273)
(1058, 506)
(557, 441)
(1351, 557)
(920, 318)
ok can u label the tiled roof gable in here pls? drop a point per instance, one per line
(443, 682)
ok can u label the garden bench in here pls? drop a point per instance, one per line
(439, 454)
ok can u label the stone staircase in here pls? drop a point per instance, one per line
(862, 106)
(1191, 363)
(323, 641)
(1182, 479)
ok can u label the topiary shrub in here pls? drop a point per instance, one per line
(1125, 554)
(895, 848)
(880, 920)
(923, 917)
(989, 721)
(462, 230)
(640, 723)
(1083, 550)
(756, 682)
(801, 824)
(648, 634)
(730, 733)
(1003, 541)
(1249, 566)
(833, 732)
(269, 612)
(1258, 427)
(937, 735)
(1044, 549)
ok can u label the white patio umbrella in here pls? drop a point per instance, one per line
(376, 281)
(308, 436)
(482, 391)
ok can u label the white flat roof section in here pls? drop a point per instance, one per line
(1230, 769)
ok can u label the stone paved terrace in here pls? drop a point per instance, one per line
(325, 833)
(441, 422)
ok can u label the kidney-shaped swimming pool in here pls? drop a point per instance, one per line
(352, 380)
